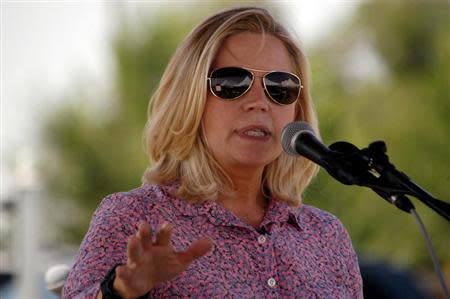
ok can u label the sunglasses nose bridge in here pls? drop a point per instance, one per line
(256, 97)
(263, 88)
(257, 82)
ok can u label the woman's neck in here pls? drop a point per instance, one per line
(247, 201)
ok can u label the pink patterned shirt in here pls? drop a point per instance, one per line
(298, 252)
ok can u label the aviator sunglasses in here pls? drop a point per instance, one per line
(230, 83)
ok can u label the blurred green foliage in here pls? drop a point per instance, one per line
(404, 102)
(95, 151)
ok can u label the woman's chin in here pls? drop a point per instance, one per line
(253, 160)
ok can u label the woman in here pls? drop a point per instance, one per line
(220, 212)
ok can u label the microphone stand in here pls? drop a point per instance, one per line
(370, 167)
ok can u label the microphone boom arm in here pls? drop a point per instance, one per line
(370, 167)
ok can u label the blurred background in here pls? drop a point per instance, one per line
(75, 82)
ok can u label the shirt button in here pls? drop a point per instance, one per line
(271, 282)
(262, 239)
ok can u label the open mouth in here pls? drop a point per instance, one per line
(256, 133)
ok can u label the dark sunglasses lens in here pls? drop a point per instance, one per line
(284, 88)
(230, 82)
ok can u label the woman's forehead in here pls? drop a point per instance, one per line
(254, 50)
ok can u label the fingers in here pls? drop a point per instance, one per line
(164, 234)
(142, 241)
(134, 249)
(196, 250)
(144, 234)
(138, 243)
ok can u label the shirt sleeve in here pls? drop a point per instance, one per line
(353, 280)
(104, 245)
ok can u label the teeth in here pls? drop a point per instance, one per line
(256, 133)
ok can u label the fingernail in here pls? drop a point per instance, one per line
(165, 225)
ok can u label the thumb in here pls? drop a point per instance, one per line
(196, 250)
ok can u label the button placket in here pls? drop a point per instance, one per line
(262, 239)
(272, 282)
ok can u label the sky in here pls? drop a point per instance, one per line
(49, 47)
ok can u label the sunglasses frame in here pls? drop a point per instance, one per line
(251, 71)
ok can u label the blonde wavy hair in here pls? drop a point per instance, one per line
(174, 138)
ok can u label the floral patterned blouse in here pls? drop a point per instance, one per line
(297, 252)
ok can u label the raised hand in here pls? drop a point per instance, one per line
(150, 263)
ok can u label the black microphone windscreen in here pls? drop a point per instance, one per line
(289, 132)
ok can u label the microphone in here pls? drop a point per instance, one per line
(298, 139)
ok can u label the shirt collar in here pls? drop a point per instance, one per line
(280, 212)
(277, 211)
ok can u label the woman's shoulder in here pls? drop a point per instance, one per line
(316, 214)
(147, 193)
(320, 221)
(138, 200)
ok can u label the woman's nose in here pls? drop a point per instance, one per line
(256, 98)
